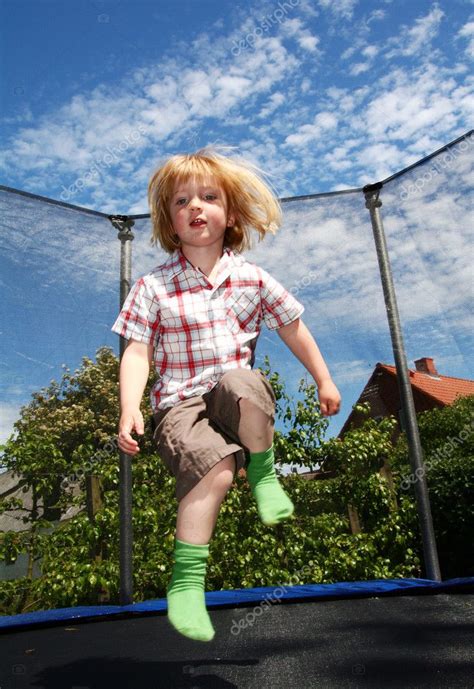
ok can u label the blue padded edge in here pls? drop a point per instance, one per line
(271, 594)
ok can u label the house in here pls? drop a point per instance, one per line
(430, 390)
(12, 486)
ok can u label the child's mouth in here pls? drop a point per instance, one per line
(198, 223)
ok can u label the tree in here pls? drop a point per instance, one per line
(64, 448)
(447, 440)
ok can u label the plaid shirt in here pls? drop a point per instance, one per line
(201, 330)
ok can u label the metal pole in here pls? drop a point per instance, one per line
(124, 225)
(415, 451)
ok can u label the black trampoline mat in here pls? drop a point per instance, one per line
(389, 642)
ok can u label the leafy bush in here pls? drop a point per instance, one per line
(67, 436)
(447, 440)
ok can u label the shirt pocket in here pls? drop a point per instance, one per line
(243, 310)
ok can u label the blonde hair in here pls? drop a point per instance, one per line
(250, 198)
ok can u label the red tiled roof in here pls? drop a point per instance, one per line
(444, 389)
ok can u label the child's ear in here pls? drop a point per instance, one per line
(230, 221)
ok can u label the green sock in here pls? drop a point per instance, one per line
(185, 593)
(273, 503)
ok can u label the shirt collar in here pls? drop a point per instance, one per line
(178, 263)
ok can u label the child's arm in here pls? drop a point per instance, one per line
(134, 371)
(299, 340)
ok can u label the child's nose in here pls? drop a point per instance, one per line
(195, 203)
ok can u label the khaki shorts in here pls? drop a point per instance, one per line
(197, 433)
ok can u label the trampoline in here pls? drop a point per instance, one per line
(400, 633)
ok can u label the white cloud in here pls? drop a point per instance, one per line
(157, 104)
(294, 28)
(9, 413)
(316, 136)
(341, 8)
(416, 39)
(370, 51)
(359, 68)
(411, 103)
(308, 8)
(308, 42)
(403, 116)
(275, 100)
(376, 15)
(307, 132)
(330, 242)
(340, 158)
(178, 101)
(349, 52)
(467, 31)
(382, 159)
(25, 116)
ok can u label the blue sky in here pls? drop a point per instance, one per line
(324, 95)
(330, 95)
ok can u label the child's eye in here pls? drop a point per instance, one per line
(209, 197)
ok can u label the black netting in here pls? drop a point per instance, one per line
(60, 281)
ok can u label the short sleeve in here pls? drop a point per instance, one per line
(139, 318)
(279, 306)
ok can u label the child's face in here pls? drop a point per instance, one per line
(199, 212)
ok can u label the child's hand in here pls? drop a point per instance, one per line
(129, 420)
(329, 398)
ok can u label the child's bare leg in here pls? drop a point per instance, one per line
(197, 516)
(199, 509)
(256, 433)
(255, 428)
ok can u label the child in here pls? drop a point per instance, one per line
(196, 318)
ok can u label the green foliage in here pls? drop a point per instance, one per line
(300, 446)
(67, 436)
(447, 440)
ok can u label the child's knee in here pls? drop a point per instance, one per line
(224, 474)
